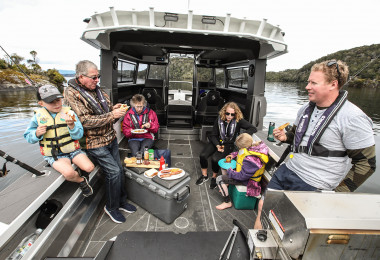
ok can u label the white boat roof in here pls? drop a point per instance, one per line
(149, 33)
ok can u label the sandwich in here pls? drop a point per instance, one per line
(282, 127)
(151, 173)
(70, 113)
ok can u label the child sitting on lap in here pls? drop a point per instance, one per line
(250, 164)
(58, 129)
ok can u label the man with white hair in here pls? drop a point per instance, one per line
(97, 115)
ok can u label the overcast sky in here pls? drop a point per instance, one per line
(312, 28)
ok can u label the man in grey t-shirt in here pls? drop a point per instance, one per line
(328, 134)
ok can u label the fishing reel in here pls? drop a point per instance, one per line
(4, 171)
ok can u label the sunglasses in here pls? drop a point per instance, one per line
(334, 62)
(232, 114)
(93, 77)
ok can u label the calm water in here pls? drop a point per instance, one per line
(284, 100)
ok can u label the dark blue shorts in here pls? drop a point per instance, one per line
(285, 179)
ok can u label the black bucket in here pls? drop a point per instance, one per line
(48, 211)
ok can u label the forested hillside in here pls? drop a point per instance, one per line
(355, 58)
(11, 77)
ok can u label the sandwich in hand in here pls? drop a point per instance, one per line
(70, 113)
(283, 126)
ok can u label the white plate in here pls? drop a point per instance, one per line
(139, 131)
(173, 177)
(150, 177)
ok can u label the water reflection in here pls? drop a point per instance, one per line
(17, 104)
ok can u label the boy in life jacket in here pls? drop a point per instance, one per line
(58, 130)
(250, 164)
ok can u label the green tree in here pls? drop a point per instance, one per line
(55, 77)
(16, 58)
(34, 54)
(36, 68)
(3, 64)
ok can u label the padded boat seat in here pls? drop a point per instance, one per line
(157, 84)
(155, 102)
(208, 107)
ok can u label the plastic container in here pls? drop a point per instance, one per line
(162, 163)
(238, 194)
(165, 199)
(146, 154)
(151, 154)
(25, 245)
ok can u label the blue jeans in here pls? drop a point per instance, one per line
(108, 158)
(136, 145)
(285, 179)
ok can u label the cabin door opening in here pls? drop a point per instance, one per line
(180, 111)
(181, 73)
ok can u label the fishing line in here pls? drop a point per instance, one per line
(357, 73)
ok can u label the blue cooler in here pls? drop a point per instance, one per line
(238, 194)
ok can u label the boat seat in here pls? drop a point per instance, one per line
(157, 84)
(155, 103)
(208, 107)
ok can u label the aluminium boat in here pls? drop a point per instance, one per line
(222, 59)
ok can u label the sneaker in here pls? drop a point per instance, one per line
(86, 188)
(201, 180)
(213, 183)
(129, 208)
(115, 215)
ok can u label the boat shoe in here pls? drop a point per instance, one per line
(115, 215)
(129, 208)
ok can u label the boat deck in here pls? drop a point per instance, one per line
(201, 214)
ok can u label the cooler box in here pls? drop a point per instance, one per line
(165, 199)
(238, 194)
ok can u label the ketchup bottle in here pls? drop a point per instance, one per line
(162, 163)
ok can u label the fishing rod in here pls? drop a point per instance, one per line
(357, 73)
(4, 171)
(25, 166)
(30, 82)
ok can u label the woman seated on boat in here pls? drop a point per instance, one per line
(221, 141)
(140, 124)
(251, 159)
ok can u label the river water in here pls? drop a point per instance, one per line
(284, 100)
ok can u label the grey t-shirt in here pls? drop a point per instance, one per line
(351, 128)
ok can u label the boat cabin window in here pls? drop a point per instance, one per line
(219, 78)
(156, 71)
(238, 77)
(204, 74)
(181, 71)
(126, 71)
(141, 73)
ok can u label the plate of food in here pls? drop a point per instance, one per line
(225, 164)
(171, 173)
(139, 131)
(150, 173)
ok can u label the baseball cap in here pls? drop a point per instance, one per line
(49, 93)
